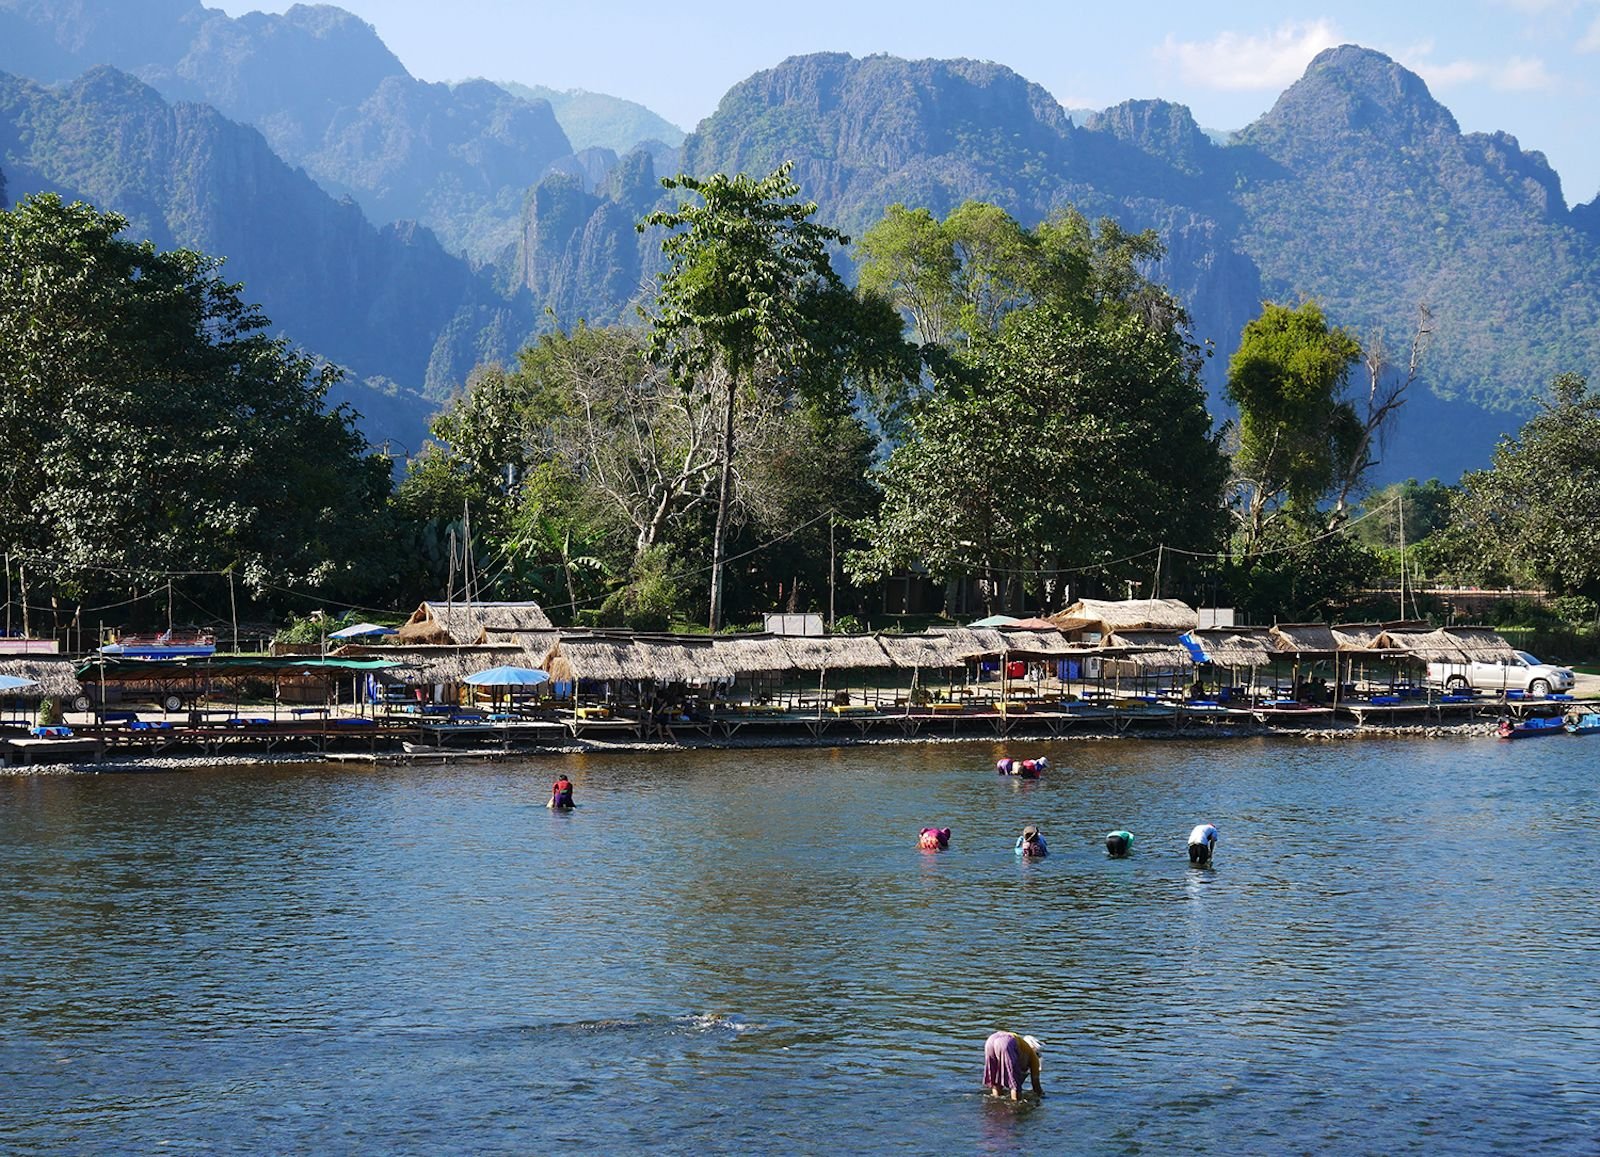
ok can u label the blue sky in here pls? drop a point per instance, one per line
(1528, 67)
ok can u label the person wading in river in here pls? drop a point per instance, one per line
(1006, 1056)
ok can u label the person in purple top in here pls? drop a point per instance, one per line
(934, 839)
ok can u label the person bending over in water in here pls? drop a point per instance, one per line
(934, 839)
(1031, 843)
(561, 793)
(1006, 1056)
(1202, 843)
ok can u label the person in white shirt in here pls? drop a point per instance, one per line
(1202, 843)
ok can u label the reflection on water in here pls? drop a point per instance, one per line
(1392, 950)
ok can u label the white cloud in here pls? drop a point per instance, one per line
(1238, 62)
(1515, 74)
(1590, 40)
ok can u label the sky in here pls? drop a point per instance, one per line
(1527, 67)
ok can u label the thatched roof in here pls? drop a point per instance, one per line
(1127, 615)
(1149, 649)
(645, 658)
(576, 657)
(679, 660)
(934, 649)
(425, 665)
(467, 624)
(1480, 644)
(752, 654)
(988, 640)
(1364, 638)
(1425, 646)
(1234, 646)
(56, 676)
(836, 652)
(1304, 639)
(1043, 645)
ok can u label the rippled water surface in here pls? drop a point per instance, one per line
(1396, 950)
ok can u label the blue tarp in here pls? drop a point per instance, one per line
(1192, 645)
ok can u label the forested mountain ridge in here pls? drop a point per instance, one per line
(1362, 191)
(328, 96)
(1357, 188)
(389, 302)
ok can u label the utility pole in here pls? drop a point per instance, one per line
(831, 569)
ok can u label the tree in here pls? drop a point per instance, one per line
(148, 423)
(909, 259)
(959, 278)
(573, 465)
(1074, 445)
(1295, 431)
(1535, 513)
(751, 300)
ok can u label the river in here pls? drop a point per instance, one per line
(1394, 951)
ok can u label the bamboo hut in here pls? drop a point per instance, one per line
(1089, 619)
(948, 651)
(1146, 655)
(1480, 644)
(472, 624)
(56, 677)
(752, 655)
(1302, 644)
(836, 653)
(590, 659)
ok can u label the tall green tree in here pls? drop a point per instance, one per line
(1295, 428)
(750, 302)
(148, 423)
(1073, 445)
(1065, 427)
(1535, 513)
(958, 279)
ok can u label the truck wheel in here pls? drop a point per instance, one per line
(81, 703)
(1539, 687)
(1456, 683)
(171, 702)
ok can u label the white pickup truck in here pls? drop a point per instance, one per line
(1523, 673)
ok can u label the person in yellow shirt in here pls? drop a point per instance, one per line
(1006, 1056)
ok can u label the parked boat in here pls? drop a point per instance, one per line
(1531, 728)
(167, 645)
(1582, 722)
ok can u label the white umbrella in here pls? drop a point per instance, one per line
(360, 629)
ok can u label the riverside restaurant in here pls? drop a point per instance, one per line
(1096, 667)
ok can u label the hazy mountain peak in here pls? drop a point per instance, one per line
(1353, 90)
(1158, 127)
(596, 120)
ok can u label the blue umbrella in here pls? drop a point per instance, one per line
(508, 677)
(16, 682)
(360, 629)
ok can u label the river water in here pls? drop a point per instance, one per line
(1396, 950)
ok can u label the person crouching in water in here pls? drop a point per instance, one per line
(561, 793)
(1006, 1056)
(1202, 843)
(934, 839)
(1030, 843)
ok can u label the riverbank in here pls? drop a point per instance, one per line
(1338, 732)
